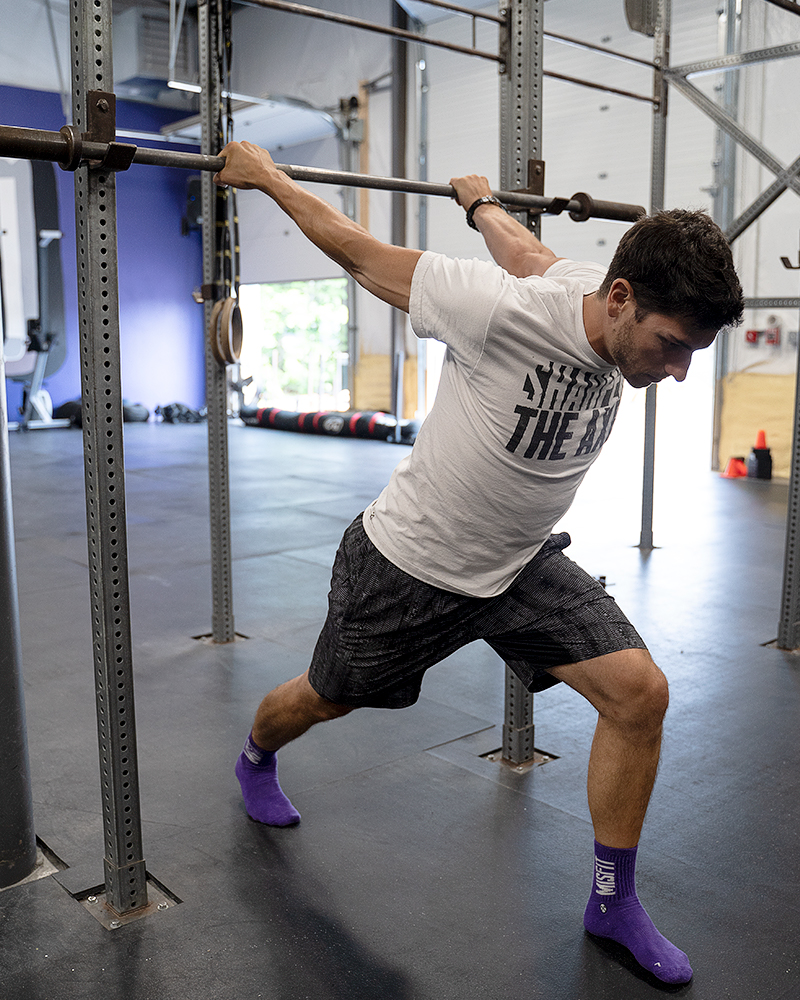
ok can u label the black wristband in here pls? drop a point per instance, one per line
(488, 199)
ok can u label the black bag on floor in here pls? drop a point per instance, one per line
(177, 413)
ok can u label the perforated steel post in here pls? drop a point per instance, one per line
(521, 96)
(222, 625)
(520, 142)
(101, 396)
(789, 624)
(518, 727)
(398, 221)
(657, 179)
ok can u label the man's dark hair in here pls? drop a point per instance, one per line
(679, 264)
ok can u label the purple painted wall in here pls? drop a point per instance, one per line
(161, 327)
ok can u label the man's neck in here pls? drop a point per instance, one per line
(594, 321)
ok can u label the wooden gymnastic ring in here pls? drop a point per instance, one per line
(237, 333)
(213, 334)
(229, 331)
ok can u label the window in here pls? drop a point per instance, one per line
(295, 344)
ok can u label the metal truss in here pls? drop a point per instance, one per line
(737, 59)
(785, 177)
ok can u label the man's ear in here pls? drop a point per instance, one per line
(619, 295)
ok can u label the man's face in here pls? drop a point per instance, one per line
(654, 347)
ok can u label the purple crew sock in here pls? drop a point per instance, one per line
(614, 912)
(257, 771)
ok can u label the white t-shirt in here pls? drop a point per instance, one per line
(523, 407)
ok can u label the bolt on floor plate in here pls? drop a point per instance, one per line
(158, 900)
(539, 758)
(208, 638)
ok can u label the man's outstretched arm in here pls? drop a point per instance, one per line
(382, 269)
(514, 247)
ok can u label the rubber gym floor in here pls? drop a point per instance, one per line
(422, 869)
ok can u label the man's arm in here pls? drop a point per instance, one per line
(514, 247)
(382, 269)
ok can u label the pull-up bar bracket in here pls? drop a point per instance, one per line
(102, 117)
(556, 206)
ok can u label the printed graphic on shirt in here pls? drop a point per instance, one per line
(570, 412)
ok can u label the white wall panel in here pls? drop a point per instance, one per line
(318, 61)
(18, 257)
(272, 247)
(374, 316)
(27, 57)
(463, 128)
(592, 141)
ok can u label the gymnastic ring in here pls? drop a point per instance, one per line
(229, 331)
(213, 334)
(587, 207)
(236, 333)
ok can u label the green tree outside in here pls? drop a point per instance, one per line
(295, 343)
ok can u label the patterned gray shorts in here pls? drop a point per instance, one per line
(385, 628)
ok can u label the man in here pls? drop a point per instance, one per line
(458, 546)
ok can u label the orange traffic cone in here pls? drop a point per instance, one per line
(759, 462)
(735, 469)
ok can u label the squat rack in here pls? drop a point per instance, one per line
(89, 148)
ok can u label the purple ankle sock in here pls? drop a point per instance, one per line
(257, 771)
(614, 912)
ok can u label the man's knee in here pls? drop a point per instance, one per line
(625, 687)
(638, 693)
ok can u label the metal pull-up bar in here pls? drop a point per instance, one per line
(580, 206)
(69, 149)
